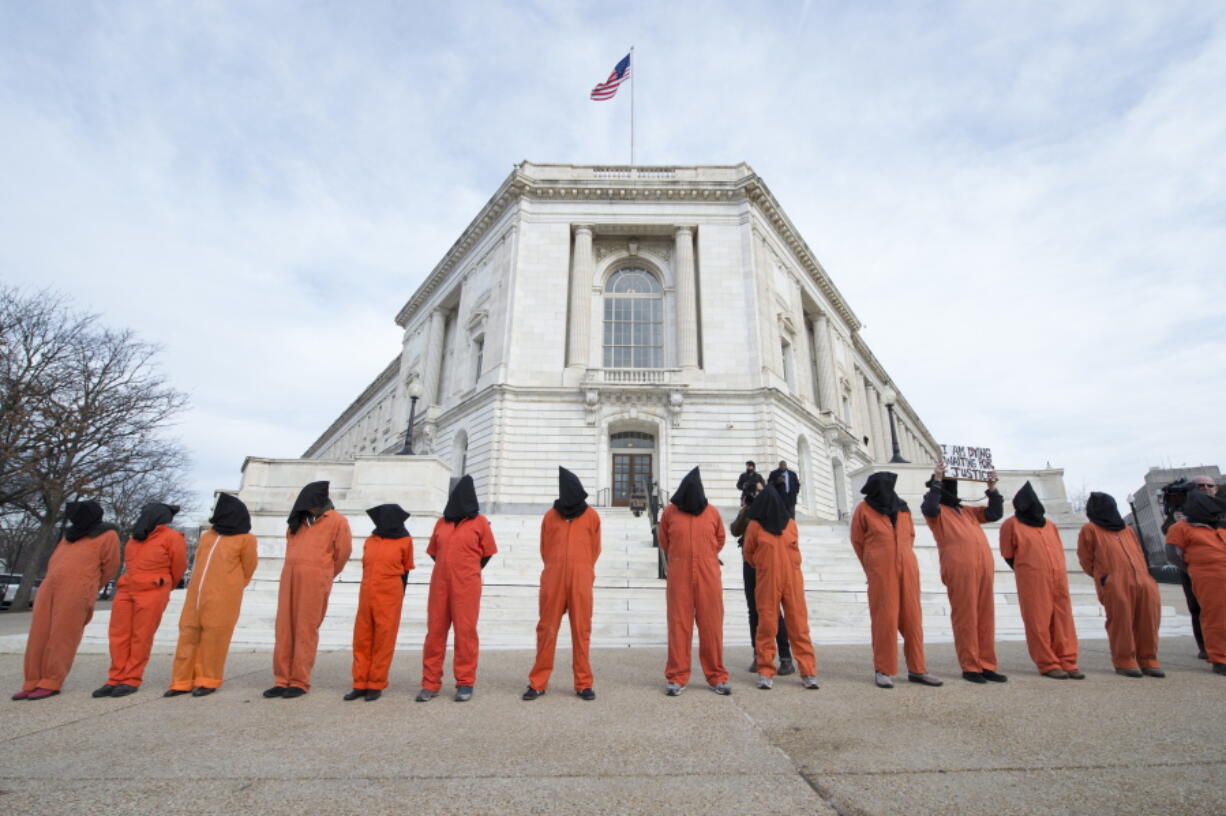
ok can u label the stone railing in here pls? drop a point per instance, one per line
(631, 376)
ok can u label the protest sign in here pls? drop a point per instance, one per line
(967, 462)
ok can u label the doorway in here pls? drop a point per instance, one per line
(632, 465)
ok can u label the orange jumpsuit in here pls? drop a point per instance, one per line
(968, 572)
(695, 592)
(1041, 574)
(1127, 592)
(152, 568)
(1205, 554)
(569, 549)
(776, 563)
(314, 556)
(380, 601)
(886, 551)
(455, 598)
(224, 566)
(64, 604)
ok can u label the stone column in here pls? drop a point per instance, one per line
(582, 267)
(433, 356)
(887, 443)
(825, 365)
(687, 302)
(872, 409)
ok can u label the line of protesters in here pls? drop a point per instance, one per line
(691, 535)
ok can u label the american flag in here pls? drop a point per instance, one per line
(608, 88)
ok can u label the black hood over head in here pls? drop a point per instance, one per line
(389, 520)
(1201, 508)
(230, 516)
(690, 497)
(949, 493)
(84, 519)
(1027, 507)
(462, 503)
(879, 494)
(770, 512)
(314, 494)
(1101, 509)
(570, 503)
(152, 516)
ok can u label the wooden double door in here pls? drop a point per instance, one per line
(631, 473)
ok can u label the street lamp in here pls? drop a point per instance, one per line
(415, 392)
(890, 396)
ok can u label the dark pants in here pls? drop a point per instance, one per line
(1193, 608)
(781, 638)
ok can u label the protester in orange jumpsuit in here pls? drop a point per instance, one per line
(967, 570)
(387, 559)
(1202, 540)
(691, 534)
(226, 558)
(317, 547)
(772, 548)
(883, 535)
(461, 545)
(1110, 553)
(86, 558)
(155, 559)
(1031, 546)
(570, 545)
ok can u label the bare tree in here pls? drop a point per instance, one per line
(88, 409)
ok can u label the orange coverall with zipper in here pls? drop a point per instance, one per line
(569, 548)
(1205, 554)
(64, 604)
(968, 572)
(152, 568)
(1041, 574)
(455, 598)
(776, 563)
(886, 551)
(314, 556)
(380, 602)
(695, 592)
(224, 566)
(1127, 592)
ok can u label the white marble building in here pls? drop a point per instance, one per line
(630, 323)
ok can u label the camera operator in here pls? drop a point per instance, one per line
(1173, 497)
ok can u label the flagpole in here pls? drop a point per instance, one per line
(633, 71)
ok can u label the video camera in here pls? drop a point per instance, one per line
(1172, 496)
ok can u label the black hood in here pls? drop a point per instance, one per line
(1027, 507)
(948, 491)
(1201, 508)
(313, 495)
(84, 519)
(152, 516)
(570, 503)
(770, 512)
(879, 494)
(230, 516)
(389, 521)
(1101, 509)
(690, 497)
(462, 503)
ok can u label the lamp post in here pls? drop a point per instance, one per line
(415, 392)
(890, 396)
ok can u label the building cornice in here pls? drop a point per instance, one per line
(380, 382)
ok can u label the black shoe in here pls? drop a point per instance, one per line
(586, 694)
(1202, 655)
(373, 694)
(104, 691)
(123, 690)
(531, 694)
(1129, 672)
(988, 674)
(924, 679)
(974, 677)
(786, 667)
(1219, 668)
(202, 691)
(293, 691)
(275, 691)
(173, 692)
(1152, 672)
(354, 694)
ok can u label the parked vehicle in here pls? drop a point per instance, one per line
(9, 582)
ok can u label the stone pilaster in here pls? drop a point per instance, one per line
(582, 267)
(826, 386)
(687, 301)
(433, 357)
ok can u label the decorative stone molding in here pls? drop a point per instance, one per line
(675, 402)
(787, 325)
(476, 322)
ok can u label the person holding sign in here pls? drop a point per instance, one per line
(967, 570)
(1031, 546)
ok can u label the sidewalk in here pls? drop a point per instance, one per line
(1106, 744)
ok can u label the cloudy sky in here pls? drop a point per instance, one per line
(1024, 203)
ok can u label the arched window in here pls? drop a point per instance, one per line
(633, 320)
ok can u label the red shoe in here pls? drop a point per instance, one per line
(21, 695)
(42, 694)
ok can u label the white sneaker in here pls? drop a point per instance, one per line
(674, 689)
(765, 682)
(883, 680)
(809, 681)
(721, 688)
